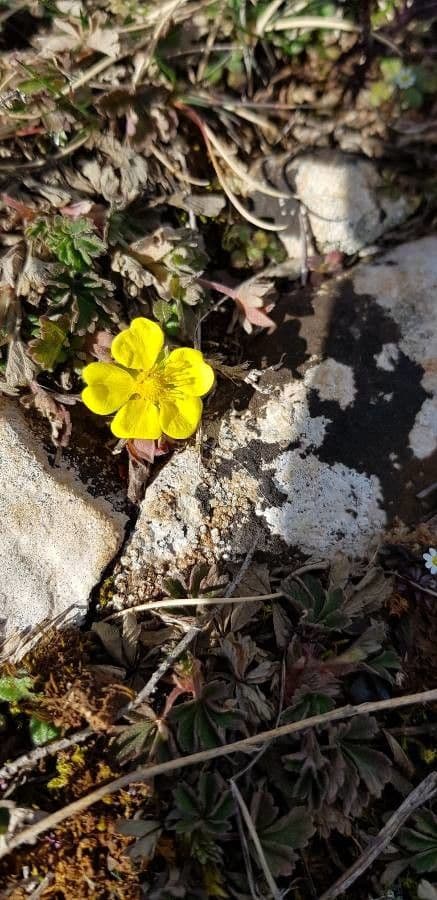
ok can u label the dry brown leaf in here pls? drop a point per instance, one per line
(20, 370)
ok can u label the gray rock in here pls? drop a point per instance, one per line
(331, 447)
(55, 538)
(344, 195)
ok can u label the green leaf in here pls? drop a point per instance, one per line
(147, 832)
(421, 841)
(5, 818)
(310, 705)
(73, 241)
(135, 740)
(202, 722)
(412, 97)
(279, 837)
(324, 609)
(42, 732)
(206, 808)
(391, 67)
(50, 348)
(14, 689)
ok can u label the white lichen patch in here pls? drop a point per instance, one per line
(423, 435)
(387, 358)
(283, 420)
(326, 506)
(404, 282)
(333, 381)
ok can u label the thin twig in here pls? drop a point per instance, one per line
(28, 760)
(254, 220)
(426, 790)
(145, 773)
(274, 890)
(415, 584)
(153, 681)
(246, 855)
(245, 565)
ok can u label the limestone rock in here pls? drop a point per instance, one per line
(347, 204)
(55, 538)
(331, 447)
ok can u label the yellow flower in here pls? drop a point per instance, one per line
(151, 391)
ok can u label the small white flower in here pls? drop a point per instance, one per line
(405, 78)
(431, 560)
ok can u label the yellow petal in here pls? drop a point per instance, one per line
(138, 418)
(138, 346)
(179, 418)
(108, 387)
(187, 371)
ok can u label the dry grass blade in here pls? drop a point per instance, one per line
(241, 173)
(191, 601)
(259, 223)
(160, 28)
(51, 821)
(426, 790)
(267, 14)
(274, 890)
(181, 176)
(304, 23)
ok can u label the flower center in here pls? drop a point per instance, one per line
(150, 385)
(434, 560)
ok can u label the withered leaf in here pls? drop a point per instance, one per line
(56, 413)
(20, 370)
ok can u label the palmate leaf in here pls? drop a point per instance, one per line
(135, 740)
(207, 808)
(421, 841)
(202, 722)
(42, 732)
(73, 241)
(337, 770)
(317, 607)
(280, 836)
(86, 299)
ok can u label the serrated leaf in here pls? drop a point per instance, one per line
(135, 740)
(324, 609)
(280, 837)
(13, 689)
(42, 732)
(50, 348)
(20, 370)
(207, 808)
(202, 722)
